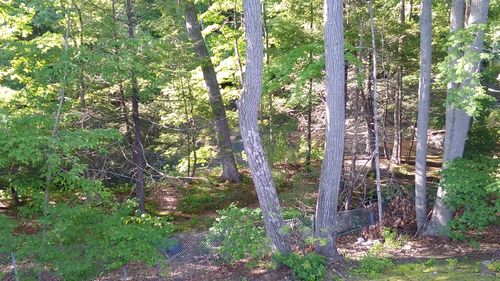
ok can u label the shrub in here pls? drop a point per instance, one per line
(472, 187)
(82, 241)
(242, 233)
(309, 267)
(494, 266)
(371, 267)
(392, 239)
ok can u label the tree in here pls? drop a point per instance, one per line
(248, 108)
(376, 143)
(424, 95)
(230, 171)
(331, 170)
(398, 96)
(457, 119)
(138, 149)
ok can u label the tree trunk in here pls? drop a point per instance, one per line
(138, 150)
(424, 95)
(248, 108)
(230, 171)
(368, 112)
(354, 146)
(376, 154)
(398, 97)
(331, 170)
(457, 121)
(309, 95)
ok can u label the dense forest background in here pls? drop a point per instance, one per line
(119, 122)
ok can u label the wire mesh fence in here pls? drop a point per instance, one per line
(188, 255)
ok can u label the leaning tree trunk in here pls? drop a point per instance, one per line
(248, 108)
(331, 170)
(457, 121)
(138, 151)
(424, 95)
(230, 171)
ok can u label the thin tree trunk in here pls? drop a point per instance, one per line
(236, 47)
(248, 108)
(368, 112)
(385, 70)
(457, 121)
(359, 88)
(309, 95)
(424, 95)
(376, 154)
(331, 170)
(81, 78)
(57, 119)
(138, 150)
(398, 96)
(270, 101)
(230, 171)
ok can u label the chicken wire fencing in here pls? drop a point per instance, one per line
(188, 255)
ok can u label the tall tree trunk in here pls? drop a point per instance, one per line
(398, 96)
(248, 108)
(270, 100)
(309, 94)
(331, 170)
(368, 112)
(236, 46)
(230, 171)
(354, 146)
(138, 150)
(424, 95)
(376, 154)
(457, 121)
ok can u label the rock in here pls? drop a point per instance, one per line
(360, 241)
(407, 247)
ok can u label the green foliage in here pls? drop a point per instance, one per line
(392, 239)
(472, 187)
(8, 242)
(494, 266)
(82, 241)
(308, 267)
(457, 69)
(452, 262)
(371, 267)
(484, 136)
(242, 233)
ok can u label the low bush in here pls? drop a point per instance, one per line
(472, 187)
(83, 241)
(308, 267)
(242, 233)
(371, 267)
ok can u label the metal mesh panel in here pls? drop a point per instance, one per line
(188, 255)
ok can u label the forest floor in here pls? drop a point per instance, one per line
(418, 258)
(192, 207)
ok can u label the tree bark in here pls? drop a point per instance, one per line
(248, 108)
(230, 171)
(353, 175)
(398, 97)
(138, 150)
(368, 112)
(457, 121)
(331, 170)
(376, 154)
(424, 95)
(309, 94)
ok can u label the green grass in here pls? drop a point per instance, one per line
(450, 270)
